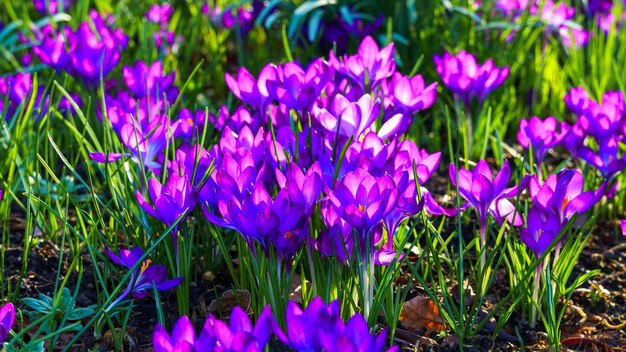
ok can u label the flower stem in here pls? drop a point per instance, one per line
(533, 316)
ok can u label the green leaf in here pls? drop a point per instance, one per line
(314, 24)
(81, 313)
(37, 305)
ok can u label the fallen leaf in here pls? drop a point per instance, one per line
(421, 313)
(228, 300)
(584, 342)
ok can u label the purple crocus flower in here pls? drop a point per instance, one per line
(488, 194)
(541, 229)
(54, 48)
(7, 316)
(363, 200)
(623, 226)
(145, 139)
(171, 200)
(280, 221)
(17, 87)
(541, 135)
(577, 100)
(561, 196)
(607, 159)
(96, 52)
(355, 119)
(143, 278)
(411, 95)
(159, 14)
(319, 327)
(465, 78)
(297, 88)
(369, 67)
(216, 335)
(144, 80)
(251, 91)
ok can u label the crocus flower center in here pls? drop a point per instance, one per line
(145, 266)
(190, 121)
(538, 234)
(564, 204)
(362, 208)
(288, 235)
(362, 137)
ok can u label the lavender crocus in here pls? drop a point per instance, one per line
(171, 200)
(541, 135)
(319, 327)
(465, 78)
(297, 88)
(369, 67)
(562, 195)
(7, 316)
(540, 231)
(410, 94)
(143, 278)
(239, 335)
(607, 159)
(97, 52)
(363, 201)
(159, 14)
(144, 80)
(488, 194)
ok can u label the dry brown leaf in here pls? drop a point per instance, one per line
(228, 300)
(421, 313)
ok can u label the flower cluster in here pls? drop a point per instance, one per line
(18, 89)
(557, 18)
(90, 52)
(599, 130)
(266, 185)
(160, 15)
(319, 327)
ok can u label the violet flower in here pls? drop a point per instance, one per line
(280, 221)
(369, 67)
(488, 194)
(145, 139)
(540, 231)
(623, 226)
(239, 335)
(319, 327)
(17, 87)
(541, 135)
(607, 159)
(562, 195)
(171, 201)
(355, 119)
(251, 91)
(363, 200)
(159, 14)
(97, 53)
(149, 81)
(465, 78)
(143, 278)
(54, 48)
(7, 316)
(297, 88)
(411, 95)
